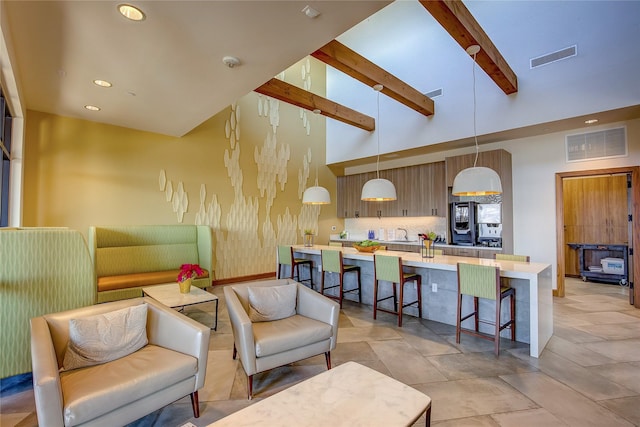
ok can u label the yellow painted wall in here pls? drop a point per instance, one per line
(80, 173)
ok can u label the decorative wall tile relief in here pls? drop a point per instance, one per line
(208, 214)
(243, 246)
(303, 174)
(162, 180)
(237, 238)
(286, 229)
(180, 202)
(272, 167)
(308, 219)
(168, 192)
(306, 83)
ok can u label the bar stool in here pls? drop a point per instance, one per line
(332, 263)
(511, 257)
(389, 269)
(285, 257)
(483, 281)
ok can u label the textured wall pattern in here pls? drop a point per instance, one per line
(43, 271)
(243, 245)
(306, 84)
(208, 214)
(178, 199)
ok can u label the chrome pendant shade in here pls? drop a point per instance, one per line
(478, 180)
(378, 189)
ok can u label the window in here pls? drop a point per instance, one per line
(5, 165)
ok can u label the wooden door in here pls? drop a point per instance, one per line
(618, 219)
(595, 212)
(572, 200)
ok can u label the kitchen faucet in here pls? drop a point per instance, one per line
(406, 234)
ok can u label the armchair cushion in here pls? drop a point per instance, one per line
(287, 334)
(99, 390)
(105, 337)
(272, 303)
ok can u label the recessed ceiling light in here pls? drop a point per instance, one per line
(92, 108)
(591, 121)
(102, 83)
(131, 12)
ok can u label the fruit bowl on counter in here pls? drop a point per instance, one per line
(368, 246)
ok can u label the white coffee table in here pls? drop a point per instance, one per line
(169, 294)
(347, 395)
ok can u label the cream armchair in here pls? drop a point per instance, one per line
(171, 366)
(311, 330)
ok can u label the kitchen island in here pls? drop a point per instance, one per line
(532, 281)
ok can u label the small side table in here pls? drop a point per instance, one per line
(169, 294)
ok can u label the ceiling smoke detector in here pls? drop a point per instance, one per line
(231, 61)
(310, 12)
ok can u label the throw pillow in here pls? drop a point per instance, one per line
(268, 303)
(105, 337)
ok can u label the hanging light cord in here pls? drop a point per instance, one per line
(475, 132)
(378, 133)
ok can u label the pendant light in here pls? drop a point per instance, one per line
(316, 195)
(378, 189)
(478, 180)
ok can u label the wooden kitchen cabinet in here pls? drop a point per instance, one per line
(435, 190)
(461, 251)
(420, 192)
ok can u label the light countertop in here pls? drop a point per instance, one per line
(512, 269)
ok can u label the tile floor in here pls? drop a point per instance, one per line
(589, 374)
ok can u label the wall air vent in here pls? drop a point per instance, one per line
(597, 145)
(434, 93)
(558, 55)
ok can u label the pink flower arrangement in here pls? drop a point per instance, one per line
(189, 271)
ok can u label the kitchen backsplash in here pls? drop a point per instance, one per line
(358, 228)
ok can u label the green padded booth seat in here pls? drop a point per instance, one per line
(127, 258)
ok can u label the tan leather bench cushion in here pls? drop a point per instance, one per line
(286, 334)
(97, 390)
(135, 280)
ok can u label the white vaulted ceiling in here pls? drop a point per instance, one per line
(167, 71)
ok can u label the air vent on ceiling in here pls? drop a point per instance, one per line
(558, 55)
(434, 93)
(597, 145)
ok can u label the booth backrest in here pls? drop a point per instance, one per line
(42, 270)
(129, 250)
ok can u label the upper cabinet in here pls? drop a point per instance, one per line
(498, 160)
(420, 189)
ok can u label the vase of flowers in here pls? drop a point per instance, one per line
(426, 248)
(308, 238)
(187, 273)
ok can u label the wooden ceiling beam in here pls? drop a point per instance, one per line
(456, 19)
(291, 94)
(360, 68)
